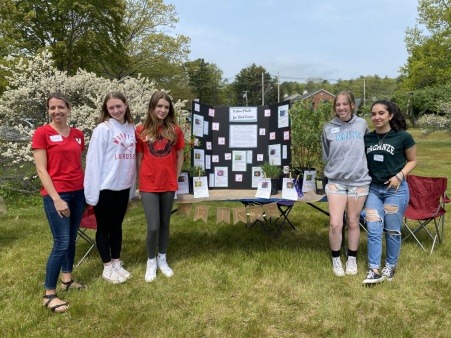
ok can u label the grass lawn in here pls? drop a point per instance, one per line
(230, 281)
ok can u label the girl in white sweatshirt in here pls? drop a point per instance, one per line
(110, 179)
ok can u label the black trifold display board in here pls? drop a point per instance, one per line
(231, 143)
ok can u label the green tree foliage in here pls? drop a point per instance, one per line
(429, 61)
(427, 80)
(369, 88)
(313, 84)
(306, 128)
(228, 95)
(426, 77)
(205, 80)
(113, 39)
(249, 82)
(152, 51)
(85, 34)
(423, 101)
(292, 87)
(8, 36)
(366, 88)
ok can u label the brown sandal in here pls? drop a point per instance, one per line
(65, 286)
(55, 307)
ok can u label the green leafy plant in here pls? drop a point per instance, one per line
(189, 145)
(271, 170)
(196, 171)
(306, 128)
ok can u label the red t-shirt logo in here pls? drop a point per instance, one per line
(161, 147)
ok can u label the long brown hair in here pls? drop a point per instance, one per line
(105, 115)
(150, 126)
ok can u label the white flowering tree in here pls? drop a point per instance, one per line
(436, 122)
(22, 105)
(22, 110)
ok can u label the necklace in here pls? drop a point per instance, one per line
(381, 142)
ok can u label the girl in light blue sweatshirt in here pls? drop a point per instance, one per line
(348, 179)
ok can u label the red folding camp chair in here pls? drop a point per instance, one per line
(88, 222)
(426, 208)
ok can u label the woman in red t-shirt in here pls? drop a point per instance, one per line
(57, 150)
(159, 152)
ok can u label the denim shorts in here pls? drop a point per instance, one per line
(348, 190)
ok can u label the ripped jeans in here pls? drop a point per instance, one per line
(384, 211)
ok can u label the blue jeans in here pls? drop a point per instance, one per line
(64, 231)
(384, 210)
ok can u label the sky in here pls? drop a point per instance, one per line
(298, 39)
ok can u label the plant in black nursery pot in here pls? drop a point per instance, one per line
(273, 172)
(298, 176)
(195, 171)
(320, 182)
(306, 127)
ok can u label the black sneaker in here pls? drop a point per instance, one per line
(372, 278)
(388, 273)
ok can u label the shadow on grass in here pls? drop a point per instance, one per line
(199, 240)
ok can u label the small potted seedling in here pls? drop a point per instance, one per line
(272, 172)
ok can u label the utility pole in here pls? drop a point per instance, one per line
(364, 92)
(263, 88)
(245, 96)
(278, 88)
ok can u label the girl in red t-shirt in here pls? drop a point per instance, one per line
(57, 150)
(159, 152)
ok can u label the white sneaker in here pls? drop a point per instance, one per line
(351, 266)
(151, 270)
(164, 267)
(337, 267)
(118, 266)
(373, 278)
(111, 275)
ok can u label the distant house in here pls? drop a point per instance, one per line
(314, 97)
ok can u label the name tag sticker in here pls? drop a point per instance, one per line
(335, 130)
(56, 138)
(378, 158)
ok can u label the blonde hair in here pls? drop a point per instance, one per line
(349, 97)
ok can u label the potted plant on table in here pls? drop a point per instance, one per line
(320, 181)
(306, 129)
(272, 172)
(195, 171)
